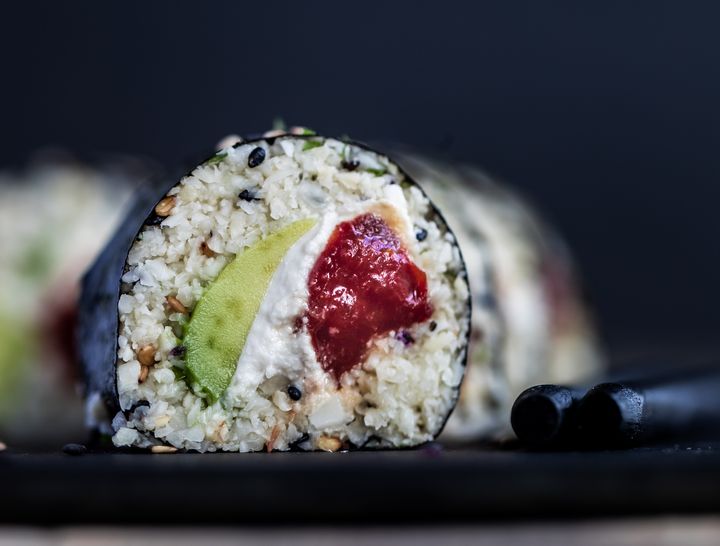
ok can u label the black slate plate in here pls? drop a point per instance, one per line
(425, 485)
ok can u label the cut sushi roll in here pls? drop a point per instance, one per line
(529, 323)
(291, 291)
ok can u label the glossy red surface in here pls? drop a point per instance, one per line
(362, 286)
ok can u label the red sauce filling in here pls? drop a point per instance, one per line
(362, 286)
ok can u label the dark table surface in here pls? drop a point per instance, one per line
(428, 485)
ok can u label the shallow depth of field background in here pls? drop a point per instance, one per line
(606, 114)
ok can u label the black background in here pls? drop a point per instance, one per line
(603, 113)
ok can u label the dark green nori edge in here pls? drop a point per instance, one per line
(98, 321)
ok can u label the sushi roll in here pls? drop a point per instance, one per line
(529, 322)
(55, 214)
(292, 291)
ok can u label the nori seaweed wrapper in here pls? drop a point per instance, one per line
(97, 325)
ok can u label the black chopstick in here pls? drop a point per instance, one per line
(545, 415)
(621, 414)
(639, 412)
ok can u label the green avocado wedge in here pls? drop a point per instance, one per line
(222, 319)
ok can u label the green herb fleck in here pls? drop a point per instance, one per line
(184, 325)
(179, 373)
(216, 159)
(37, 260)
(310, 144)
(451, 276)
(377, 172)
(308, 132)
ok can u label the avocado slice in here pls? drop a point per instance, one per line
(222, 319)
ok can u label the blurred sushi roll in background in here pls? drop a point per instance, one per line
(54, 217)
(529, 324)
(292, 291)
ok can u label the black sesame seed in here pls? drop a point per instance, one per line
(294, 393)
(139, 404)
(421, 234)
(74, 449)
(256, 157)
(405, 337)
(154, 220)
(433, 325)
(350, 165)
(297, 325)
(178, 350)
(247, 195)
(304, 438)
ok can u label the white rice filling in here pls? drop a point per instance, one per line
(399, 396)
